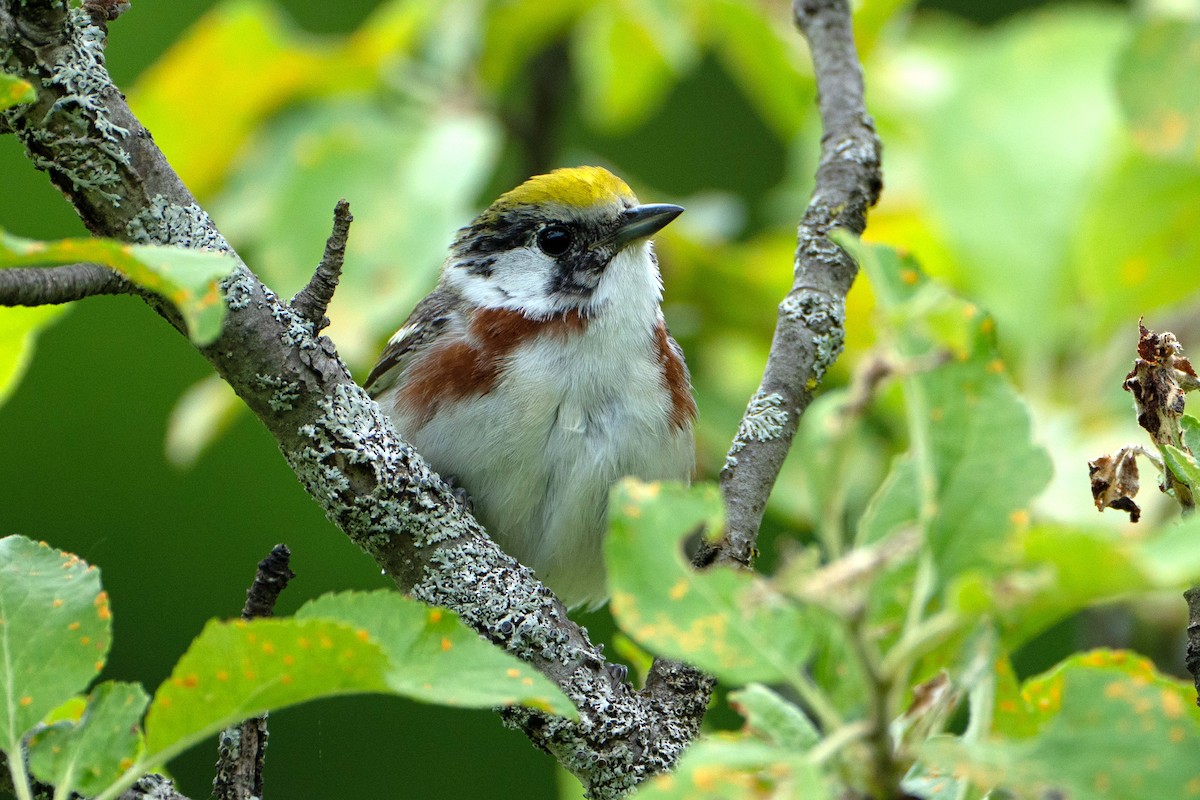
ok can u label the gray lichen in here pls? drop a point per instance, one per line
(76, 136)
(165, 222)
(296, 330)
(825, 317)
(765, 419)
(238, 288)
(352, 444)
(284, 393)
(496, 595)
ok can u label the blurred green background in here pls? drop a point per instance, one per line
(1027, 162)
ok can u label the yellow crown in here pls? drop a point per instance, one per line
(580, 187)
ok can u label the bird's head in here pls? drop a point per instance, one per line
(550, 245)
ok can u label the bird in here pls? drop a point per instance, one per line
(539, 370)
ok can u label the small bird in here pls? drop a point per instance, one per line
(539, 371)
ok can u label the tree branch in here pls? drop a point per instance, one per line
(241, 748)
(344, 450)
(313, 300)
(43, 286)
(346, 453)
(810, 327)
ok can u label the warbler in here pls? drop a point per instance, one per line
(539, 371)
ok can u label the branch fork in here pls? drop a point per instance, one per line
(370, 482)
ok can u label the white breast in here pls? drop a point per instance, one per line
(539, 452)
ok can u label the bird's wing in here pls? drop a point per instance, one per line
(438, 313)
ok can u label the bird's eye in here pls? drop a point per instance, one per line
(554, 240)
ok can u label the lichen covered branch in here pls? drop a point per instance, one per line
(346, 453)
(312, 302)
(810, 325)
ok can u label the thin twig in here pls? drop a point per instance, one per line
(810, 327)
(312, 302)
(44, 286)
(241, 748)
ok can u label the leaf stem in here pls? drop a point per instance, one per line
(913, 644)
(16, 768)
(815, 698)
(886, 771)
(833, 744)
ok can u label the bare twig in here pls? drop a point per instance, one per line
(107, 10)
(242, 748)
(312, 302)
(809, 330)
(42, 286)
(273, 575)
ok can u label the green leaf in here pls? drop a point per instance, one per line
(774, 719)
(1171, 558)
(55, 632)
(979, 469)
(236, 670)
(516, 31)
(725, 767)
(435, 658)
(14, 90)
(1070, 569)
(19, 328)
(1182, 465)
(187, 278)
(88, 756)
(1137, 240)
(730, 623)
(1101, 725)
(1025, 109)
(1156, 83)
(1190, 427)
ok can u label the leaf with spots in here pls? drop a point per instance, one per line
(86, 756)
(732, 624)
(189, 279)
(235, 670)
(731, 767)
(13, 90)
(973, 468)
(1156, 83)
(1103, 724)
(435, 658)
(55, 631)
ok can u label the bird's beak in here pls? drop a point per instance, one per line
(640, 222)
